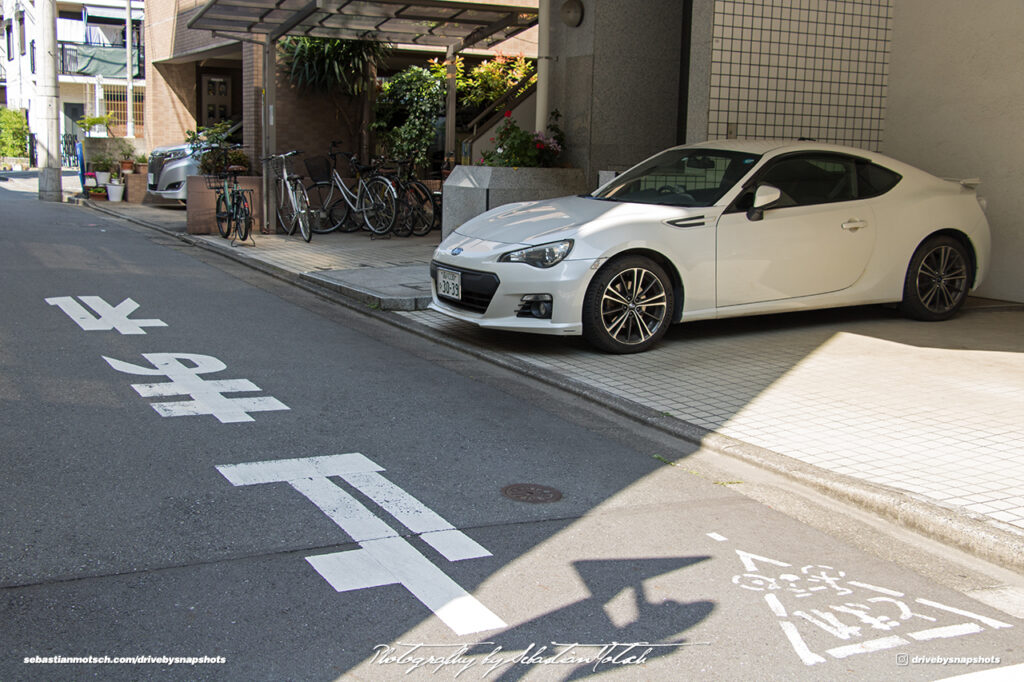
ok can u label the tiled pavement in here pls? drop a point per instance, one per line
(932, 410)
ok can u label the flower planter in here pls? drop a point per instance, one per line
(472, 190)
(127, 166)
(115, 192)
(102, 177)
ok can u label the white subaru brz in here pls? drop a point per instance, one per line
(713, 230)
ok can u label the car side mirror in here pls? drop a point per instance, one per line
(764, 197)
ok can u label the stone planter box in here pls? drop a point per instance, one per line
(201, 205)
(135, 188)
(472, 190)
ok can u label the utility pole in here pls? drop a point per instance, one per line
(129, 71)
(49, 140)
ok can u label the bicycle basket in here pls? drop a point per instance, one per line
(318, 168)
(214, 181)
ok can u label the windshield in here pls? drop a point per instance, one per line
(680, 177)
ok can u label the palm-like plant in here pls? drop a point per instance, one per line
(338, 68)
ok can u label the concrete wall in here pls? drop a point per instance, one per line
(956, 109)
(615, 79)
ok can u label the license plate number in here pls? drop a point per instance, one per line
(149, 178)
(449, 284)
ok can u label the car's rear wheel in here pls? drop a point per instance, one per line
(938, 279)
(628, 305)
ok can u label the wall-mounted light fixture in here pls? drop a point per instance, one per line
(572, 13)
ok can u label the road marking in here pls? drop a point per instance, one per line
(867, 647)
(109, 317)
(991, 622)
(207, 396)
(819, 585)
(384, 557)
(718, 538)
(946, 632)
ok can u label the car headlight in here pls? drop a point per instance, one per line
(179, 154)
(543, 256)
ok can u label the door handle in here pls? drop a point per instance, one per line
(854, 225)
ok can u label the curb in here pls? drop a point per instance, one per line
(981, 537)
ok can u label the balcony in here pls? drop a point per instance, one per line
(81, 59)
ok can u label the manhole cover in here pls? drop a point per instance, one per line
(531, 492)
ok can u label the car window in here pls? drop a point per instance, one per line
(874, 180)
(806, 180)
(681, 177)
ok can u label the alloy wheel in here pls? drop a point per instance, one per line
(942, 279)
(634, 306)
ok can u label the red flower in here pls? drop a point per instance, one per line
(540, 145)
(508, 113)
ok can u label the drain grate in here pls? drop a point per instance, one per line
(531, 492)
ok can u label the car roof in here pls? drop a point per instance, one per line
(778, 146)
(775, 147)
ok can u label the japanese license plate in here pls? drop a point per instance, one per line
(149, 178)
(449, 284)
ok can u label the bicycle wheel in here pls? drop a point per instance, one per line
(285, 211)
(377, 203)
(242, 216)
(404, 212)
(425, 209)
(339, 214)
(223, 216)
(321, 198)
(302, 210)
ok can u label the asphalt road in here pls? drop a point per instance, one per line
(239, 470)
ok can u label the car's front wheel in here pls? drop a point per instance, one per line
(628, 305)
(938, 279)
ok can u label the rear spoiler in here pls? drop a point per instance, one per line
(968, 183)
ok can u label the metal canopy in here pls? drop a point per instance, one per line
(442, 23)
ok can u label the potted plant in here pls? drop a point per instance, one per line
(126, 154)
(115, 190)
(97, 193)
(142, 164)
(102, 164)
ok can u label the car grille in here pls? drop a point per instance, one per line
(156, 164)
(477, 288)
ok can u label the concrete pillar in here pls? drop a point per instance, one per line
(48, 138)
(543, 63)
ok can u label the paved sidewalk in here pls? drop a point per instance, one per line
(921, 422)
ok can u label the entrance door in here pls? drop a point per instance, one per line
(215, 99)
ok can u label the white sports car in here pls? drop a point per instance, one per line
(714, 230)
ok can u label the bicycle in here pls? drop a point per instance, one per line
(418, 211)
(292, 201)
(374, 196)
(234, 205)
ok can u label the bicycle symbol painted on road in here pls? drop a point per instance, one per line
(866, 617)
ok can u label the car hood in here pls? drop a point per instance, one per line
(168, 149)
(537, 222)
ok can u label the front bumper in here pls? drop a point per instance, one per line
(493, 294)
(168, 179)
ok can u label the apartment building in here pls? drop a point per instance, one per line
(92, 59)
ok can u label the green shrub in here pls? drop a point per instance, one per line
(13, 133)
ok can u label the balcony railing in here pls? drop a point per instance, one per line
(78, 59)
